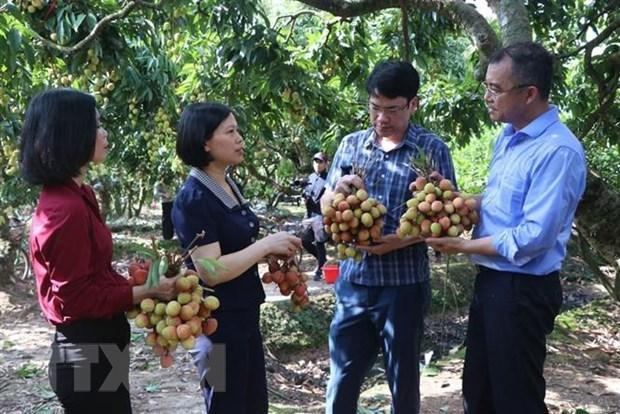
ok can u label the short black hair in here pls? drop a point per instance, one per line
(532, 65)
(196, 126)
(394, 78)
(58, 136)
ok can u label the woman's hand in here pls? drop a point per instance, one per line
(280, 244)
(164, 290)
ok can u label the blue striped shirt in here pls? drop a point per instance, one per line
(537, 176)
(387, 178)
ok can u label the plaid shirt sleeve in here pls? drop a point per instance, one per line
(344, 157)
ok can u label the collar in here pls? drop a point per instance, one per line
(538, 126)
(85, 192)
(409, 138)
(216, 189)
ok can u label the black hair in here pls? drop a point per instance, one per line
(196, 126)
(394, 78)
(58, 136)
(532, 65)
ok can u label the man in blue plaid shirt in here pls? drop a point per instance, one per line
(381, 300)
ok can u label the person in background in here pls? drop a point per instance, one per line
(313, 236)
(71, 252)
(208, 141)
(381, 300)
(536, 179)
(162, 194)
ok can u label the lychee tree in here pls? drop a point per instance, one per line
(585, 38)
(293, 75)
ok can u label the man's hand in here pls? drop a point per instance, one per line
(345, 183)
(388, 244)
(452, 245)
(449, 245)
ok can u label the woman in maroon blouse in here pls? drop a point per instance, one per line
(71, 252)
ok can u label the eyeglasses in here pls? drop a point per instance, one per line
(390, 110)
(320, 161)
(495, 91)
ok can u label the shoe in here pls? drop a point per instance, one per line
(318, 276)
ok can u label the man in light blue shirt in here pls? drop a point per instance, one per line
(537, 176)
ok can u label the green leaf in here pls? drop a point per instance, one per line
(207, 264)
(60, 32)
(431, 371)
(153, 277)
(141, 250)
(91, 21)
(15, 39)
(212, 266)
(28, 370)
(77, 21)
(163, 266)
(151, 387)
(12, 8)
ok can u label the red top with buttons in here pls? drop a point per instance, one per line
(71, 253)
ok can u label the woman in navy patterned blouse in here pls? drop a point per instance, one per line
(208, 140)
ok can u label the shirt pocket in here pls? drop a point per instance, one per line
(511, 194)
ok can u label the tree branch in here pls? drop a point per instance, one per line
(292, 21)
(609, 30)
(267, 180)
(405, 24)
(98, 27)
(589, 67)
(594, 116)
(593, 257)
(484, 38)
(293, 17)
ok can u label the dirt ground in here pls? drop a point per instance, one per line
(583, 372)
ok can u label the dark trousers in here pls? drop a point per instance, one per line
(509, 318)
(369, 318)
(246, 379)
(315, 248)
(89, 367)
(167, 227)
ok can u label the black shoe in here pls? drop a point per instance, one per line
(318, 276)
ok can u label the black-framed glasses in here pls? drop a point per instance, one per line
(390, 110)
(495, 91)
(318, 160)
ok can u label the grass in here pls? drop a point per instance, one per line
(286, 331)
(452, 284)
(594, 315)
(28, 370)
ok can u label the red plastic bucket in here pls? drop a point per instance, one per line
(331, 272)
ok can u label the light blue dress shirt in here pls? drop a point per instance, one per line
(537, 177)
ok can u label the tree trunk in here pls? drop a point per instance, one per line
(129, 209)
(598, 216)
(7, 257)
(141, 199)
(513, 20)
